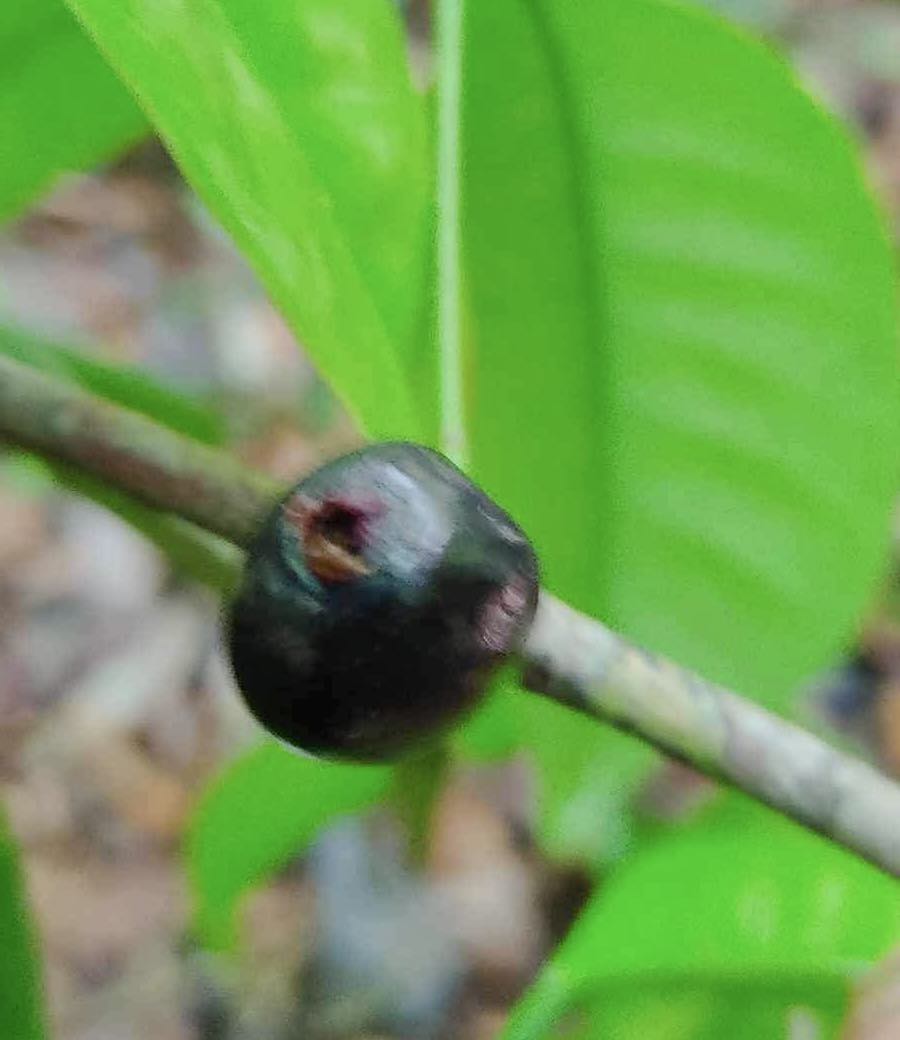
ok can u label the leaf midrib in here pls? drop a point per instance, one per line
(597, 363)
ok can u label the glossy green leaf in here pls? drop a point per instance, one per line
(749, 899)
(298, 126)
(61, 107)
(682, 359)
(21, 997)
(265, 808)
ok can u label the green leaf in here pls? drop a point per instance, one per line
(61, 107)
(21, 996)
(264, 809)
(194, 552)
(298, 126)
(587, 774)
(688, 1008)
(739, 1009)
(129, 387)
(751, 893)
(748, 898)
(683, 374)
(204, 557)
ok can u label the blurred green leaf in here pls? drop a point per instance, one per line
(192, 551)
(202, 556)
(587, 774)
(739, 1009)
(61, 107)
(682, 360)
(265, 808)
(752, 892)
(21, 997)
(685, 1008)
(747, 899)
(299, 127)
(587, 780)
(129, 387)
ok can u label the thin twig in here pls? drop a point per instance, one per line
(579, 662)
(131, 452)
(568, 657)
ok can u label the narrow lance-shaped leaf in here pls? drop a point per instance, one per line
(298, 126)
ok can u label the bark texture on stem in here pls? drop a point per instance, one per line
(568, 657)
(159, 467)
(581, 663)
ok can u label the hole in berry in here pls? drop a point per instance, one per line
(333, 534)
(340, 525)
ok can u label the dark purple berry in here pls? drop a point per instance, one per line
(377, 600)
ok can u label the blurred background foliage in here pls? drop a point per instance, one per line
(678, 358)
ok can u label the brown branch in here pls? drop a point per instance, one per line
(568, 657)
(579, 662)
(151, 462)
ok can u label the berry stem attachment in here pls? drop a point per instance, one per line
(568, 657)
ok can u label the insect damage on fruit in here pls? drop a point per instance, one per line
(376, 602)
